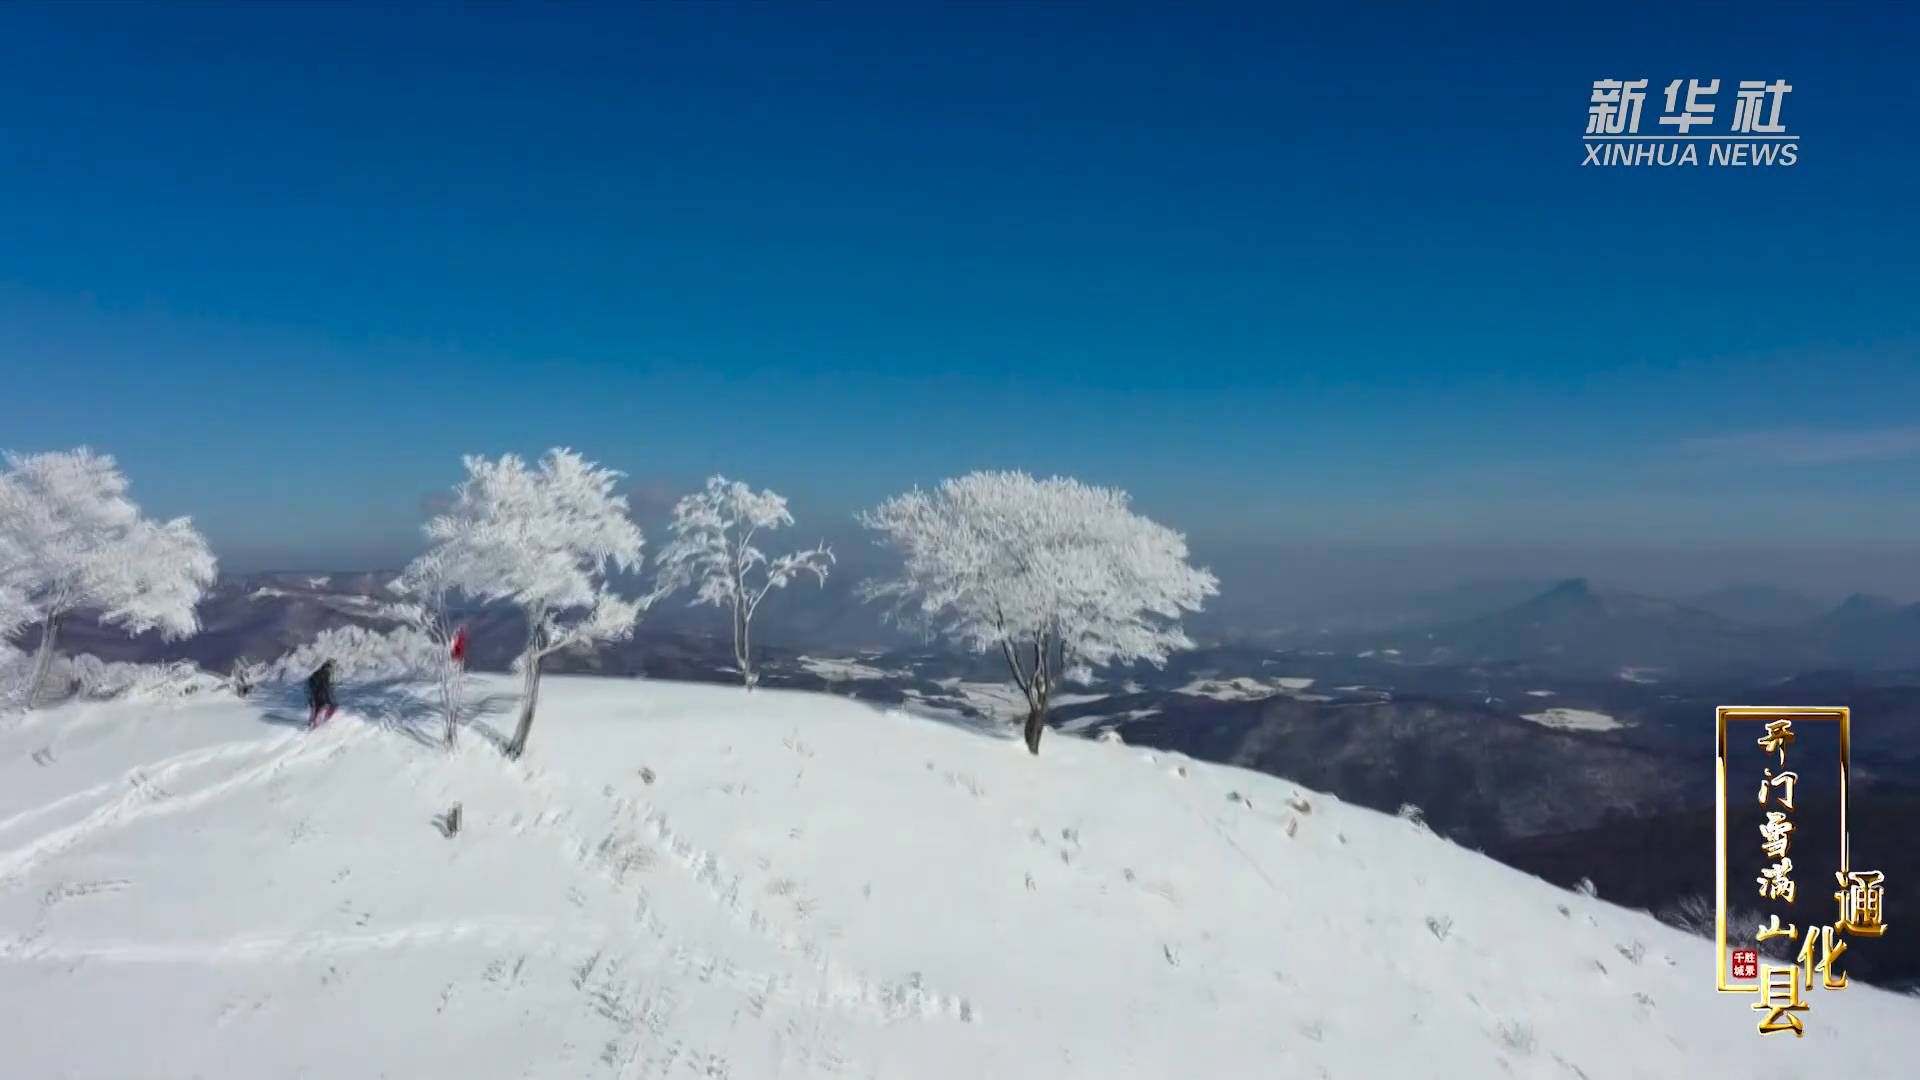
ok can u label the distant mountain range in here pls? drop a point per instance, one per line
(1759, 605)
(1573, 628)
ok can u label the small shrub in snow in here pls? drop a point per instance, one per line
(1412, 815)
(1695, 914)
(1440, 927)
(1517, 1036)
(97, 678)
(93, 678)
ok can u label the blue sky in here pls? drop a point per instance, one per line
(1296, 274)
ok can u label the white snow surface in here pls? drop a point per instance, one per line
(837, 669)
(1573, 719)
(1248, 688)
(1003, 700)
(807, 886)
(345, 603)
(1084, 723)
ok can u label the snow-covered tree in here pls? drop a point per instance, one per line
(362, 652)
(544, 538)
(423, 610)
(71, 541)
(14, 664)
(171, 680)
(15, 612)
(1059, 576)
(712, 548)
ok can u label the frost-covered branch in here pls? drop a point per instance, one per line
(713, 549)
(612, 618)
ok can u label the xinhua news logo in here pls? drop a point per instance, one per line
(1689, 130)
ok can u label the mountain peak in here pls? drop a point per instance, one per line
(1572, 596)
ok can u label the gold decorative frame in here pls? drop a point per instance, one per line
(1722, 716)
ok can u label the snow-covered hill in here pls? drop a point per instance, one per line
(687, 880)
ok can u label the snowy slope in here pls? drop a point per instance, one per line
(807, 886)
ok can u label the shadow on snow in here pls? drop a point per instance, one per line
(400, 705)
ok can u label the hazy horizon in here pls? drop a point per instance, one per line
(1305, 580)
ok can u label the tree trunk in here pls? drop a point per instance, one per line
(1036, 726)
(529, 697)
(450, 697)
(43, 659)
(743, 648)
